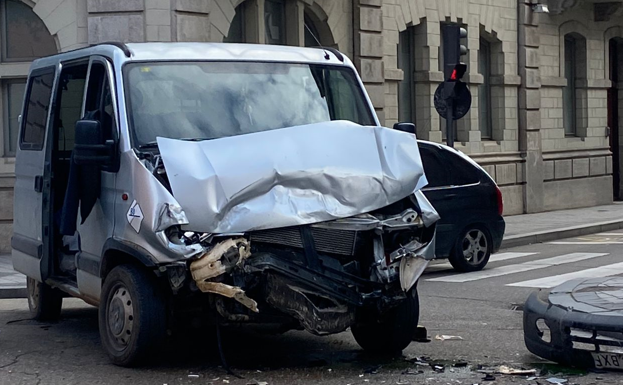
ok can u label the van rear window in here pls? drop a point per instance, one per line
(36, 110)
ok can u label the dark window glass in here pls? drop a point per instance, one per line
(485, 119)
(461, 171)
(14, 97)
(406, 62)
(24, 36)
(275, 18)
(236, 30)
(311, 33)
(70, 103)
(434, 168)
(36, 111)
(569, 91)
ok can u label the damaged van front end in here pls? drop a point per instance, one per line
(312, 227)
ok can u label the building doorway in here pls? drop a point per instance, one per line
(615, 99)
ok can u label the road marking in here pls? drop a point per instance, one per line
(518, 268)
(611, 234)
(506, 256)
(494, 258)
(555, 280)
(586, 243)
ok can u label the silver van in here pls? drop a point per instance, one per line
(235, 183)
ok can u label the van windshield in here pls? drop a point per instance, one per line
(208, 100)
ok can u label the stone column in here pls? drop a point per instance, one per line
(368, 36)
(529, 107)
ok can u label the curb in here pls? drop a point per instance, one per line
(565, 232)
(13, 292)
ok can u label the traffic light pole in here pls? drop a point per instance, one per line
(450, 122)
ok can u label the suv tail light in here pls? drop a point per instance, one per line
(498, 194)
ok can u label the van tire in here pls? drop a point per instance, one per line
(393, 332)
(44, 301)
(131, 293)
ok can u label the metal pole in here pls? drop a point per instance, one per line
(450, 122)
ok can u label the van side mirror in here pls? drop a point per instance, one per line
(90, 147)
(409, 128)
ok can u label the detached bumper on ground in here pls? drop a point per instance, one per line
(580, 323)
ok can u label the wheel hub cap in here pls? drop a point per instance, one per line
(121, 317)
(475, 247)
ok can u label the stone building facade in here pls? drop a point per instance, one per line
(547, 88)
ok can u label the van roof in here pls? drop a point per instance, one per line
(201, 52)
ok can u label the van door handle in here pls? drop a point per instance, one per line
(39, 183)
(451, 196)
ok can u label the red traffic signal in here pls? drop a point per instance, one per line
(458, 72)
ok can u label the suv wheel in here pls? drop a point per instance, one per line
(393, 332)
(44, 301)
(132, 315)
(472, 249)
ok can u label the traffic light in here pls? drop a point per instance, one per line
(452, 98)
(453, 51)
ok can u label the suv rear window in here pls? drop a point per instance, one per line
(461, 171)
(434, 167)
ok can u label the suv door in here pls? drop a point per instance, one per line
(32, 175)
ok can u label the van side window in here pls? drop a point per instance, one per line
(71, 92)
(98, 104)
(36, 111)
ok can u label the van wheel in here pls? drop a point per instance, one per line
(472, 249)
(393, 332)
(132, 315)
(44, 301)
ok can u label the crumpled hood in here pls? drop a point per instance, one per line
(291, 176)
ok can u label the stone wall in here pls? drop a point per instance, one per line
(581, 162)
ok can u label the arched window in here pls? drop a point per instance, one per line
(23, 37)
(236, 32)
(574, 70)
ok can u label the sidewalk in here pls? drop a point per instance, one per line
(12, 283)
(544, 227)
(520, 230)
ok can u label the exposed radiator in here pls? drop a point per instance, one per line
(329, 241)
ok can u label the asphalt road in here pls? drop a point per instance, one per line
(484, 309)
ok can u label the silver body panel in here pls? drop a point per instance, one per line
(281, 178)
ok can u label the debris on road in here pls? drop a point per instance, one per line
(512, 371)
(554, 380)
(409, 371)
(444, 337)
(488, 377)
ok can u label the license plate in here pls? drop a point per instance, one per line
(608, 360)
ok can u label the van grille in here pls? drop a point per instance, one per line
(329, 241)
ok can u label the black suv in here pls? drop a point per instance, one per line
(469, 203)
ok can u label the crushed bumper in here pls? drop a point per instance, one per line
(572, 336)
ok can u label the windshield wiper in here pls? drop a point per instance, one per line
(148, 145)
(154, 144)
